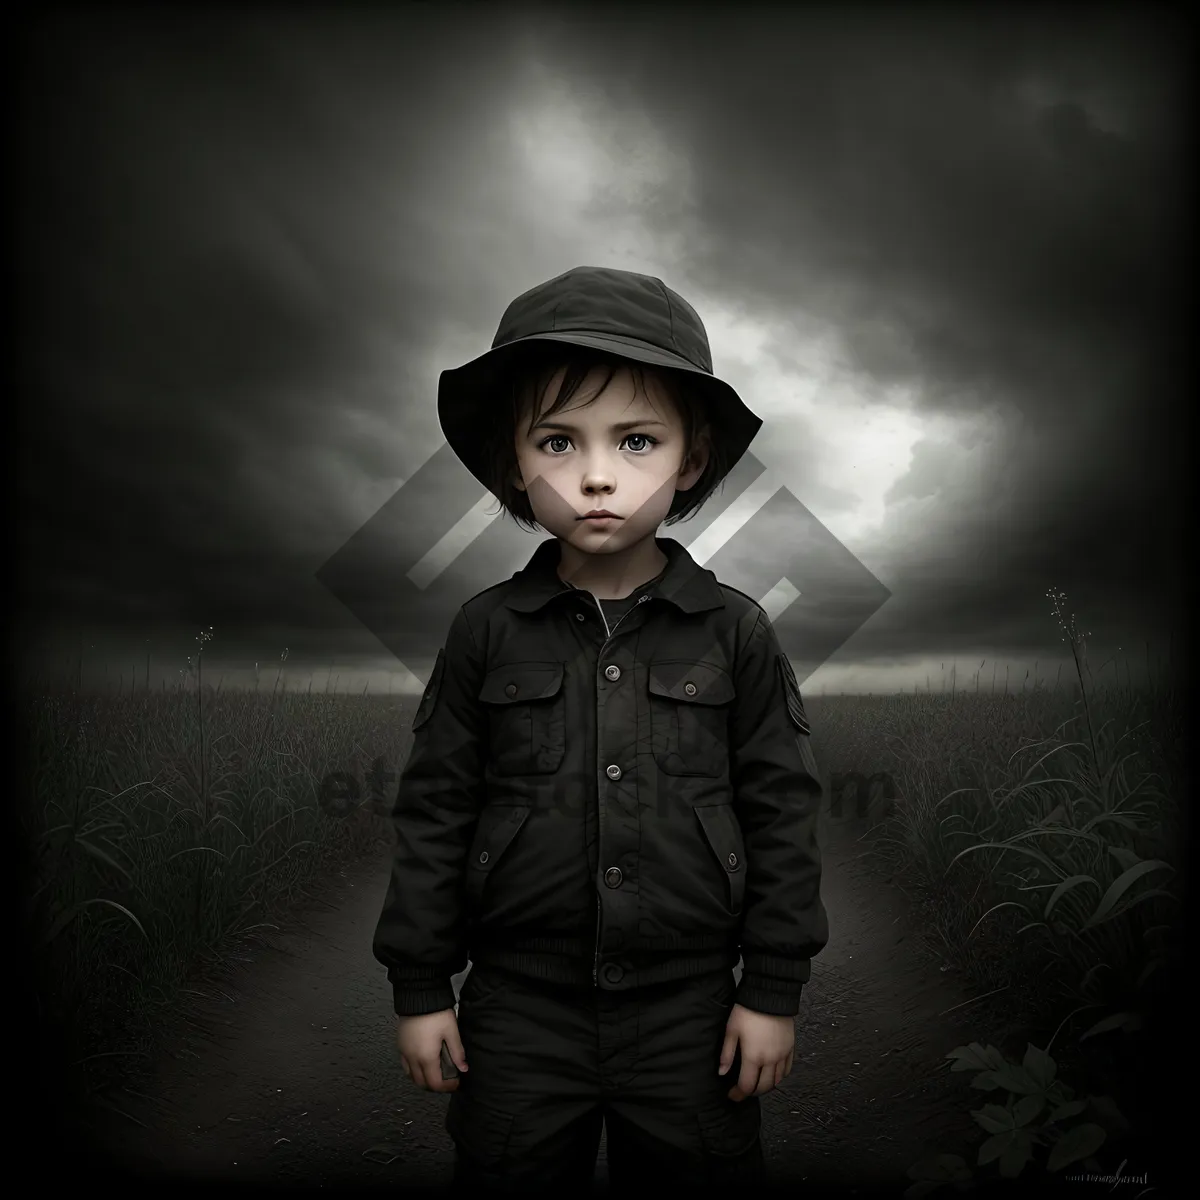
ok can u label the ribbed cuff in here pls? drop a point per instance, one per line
(417, 999)
(762, 993)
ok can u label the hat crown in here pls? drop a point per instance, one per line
(604, 300)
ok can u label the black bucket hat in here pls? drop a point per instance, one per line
(621, 312)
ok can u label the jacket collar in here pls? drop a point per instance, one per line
(684, 582)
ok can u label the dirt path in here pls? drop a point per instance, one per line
(291, 1075)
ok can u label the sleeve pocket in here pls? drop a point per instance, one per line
(430, 694)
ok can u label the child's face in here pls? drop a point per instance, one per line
(622, 451)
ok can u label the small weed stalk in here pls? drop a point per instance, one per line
(1078, 643)
(201, 859)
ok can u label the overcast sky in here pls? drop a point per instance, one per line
(941, 260)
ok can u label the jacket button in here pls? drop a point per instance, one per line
(579, 616)
(483, 857)
(613, 973)
(690, 688)
(732, 860)
(612, 877)
(613, 672)
(511, 690)
(613, 772)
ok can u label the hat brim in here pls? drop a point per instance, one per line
(464, 403)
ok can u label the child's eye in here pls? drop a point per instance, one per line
(644, 437)
(562, 437)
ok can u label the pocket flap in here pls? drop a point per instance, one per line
(497, 828)
(519, 683)
(720, 827)
(692, 682)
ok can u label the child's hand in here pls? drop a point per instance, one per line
(420, 1040)
(768, 1044)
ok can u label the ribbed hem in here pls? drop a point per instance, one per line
(769, 984)
(575, 947)
(578, 972)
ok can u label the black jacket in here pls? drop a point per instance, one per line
(607, 809)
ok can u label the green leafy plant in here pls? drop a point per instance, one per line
(1040, 1121)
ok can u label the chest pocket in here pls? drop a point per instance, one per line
(689, 717)
(526, 718)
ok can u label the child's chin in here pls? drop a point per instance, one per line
(597, 539)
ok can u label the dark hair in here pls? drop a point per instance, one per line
(532, 372)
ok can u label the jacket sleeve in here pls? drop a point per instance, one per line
(420, 937)
(777, 794)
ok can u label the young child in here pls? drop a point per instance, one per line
(610, 793)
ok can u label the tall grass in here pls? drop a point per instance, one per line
(1039, 832)
(171, 827)
(999, 800)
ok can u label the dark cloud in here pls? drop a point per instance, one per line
(240, 239)
(975, 241)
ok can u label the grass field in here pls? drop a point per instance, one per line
(1037, 829)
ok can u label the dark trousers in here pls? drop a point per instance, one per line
(550, 1066)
